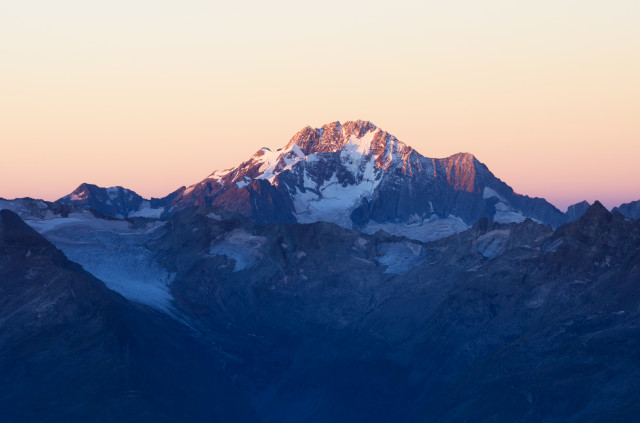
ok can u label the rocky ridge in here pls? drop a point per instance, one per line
(630, 210)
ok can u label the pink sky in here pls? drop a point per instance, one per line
(153, 95)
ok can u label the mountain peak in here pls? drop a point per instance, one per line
(354, 173)
(331, 137)
(112, 201)
(576, 210)
(596, 214)
(598, 208)
(630, 210)
(463, 156)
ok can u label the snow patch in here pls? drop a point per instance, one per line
(78, 197)
(46, 225)
(489, 193)
(214, 216)
(217, 174)
(493, 243)
(505, 214)
(272, 162)
(112, 192)
(427, 230)
(243, 248)
(147, 212)
(114, 252)
(399, 257)
(333, 201)
(553, 246)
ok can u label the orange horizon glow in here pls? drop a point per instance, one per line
(153, 96)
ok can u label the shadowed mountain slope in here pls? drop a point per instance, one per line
(72, 351)
(502, 322)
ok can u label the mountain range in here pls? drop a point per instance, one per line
(344, 277)
(353, 174)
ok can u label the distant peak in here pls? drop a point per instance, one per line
(595, 214)
(85, 186)
(583, 203)
(576, 210)
(83, 190)
(350, 125)
(597, 207)
(462, 156)
(92, 187)
(630, 210)
(96, 197)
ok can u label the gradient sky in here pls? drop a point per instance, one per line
(153, 95)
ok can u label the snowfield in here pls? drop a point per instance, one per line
(114, 252)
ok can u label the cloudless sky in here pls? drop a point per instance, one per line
(153, 95)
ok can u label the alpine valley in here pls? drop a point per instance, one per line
(344, 277)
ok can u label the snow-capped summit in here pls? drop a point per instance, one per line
(360, 176)
(359, 138)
